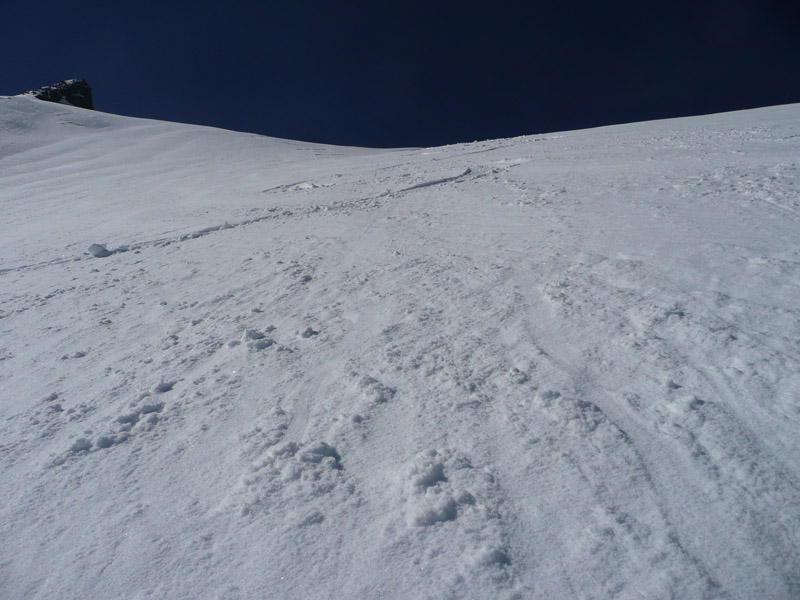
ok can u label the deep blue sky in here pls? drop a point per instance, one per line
(385, 73)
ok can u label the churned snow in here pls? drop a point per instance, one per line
(556, 366)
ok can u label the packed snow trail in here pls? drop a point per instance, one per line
(556, 366)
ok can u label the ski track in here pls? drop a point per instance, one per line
(553, 366)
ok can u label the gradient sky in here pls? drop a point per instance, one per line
(405, 73)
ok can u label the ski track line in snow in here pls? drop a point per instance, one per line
(336, 207)
(703, 426)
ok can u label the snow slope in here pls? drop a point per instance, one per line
(556, 366)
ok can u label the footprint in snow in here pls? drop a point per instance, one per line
(448, 502)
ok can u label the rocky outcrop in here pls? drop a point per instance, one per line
(76, 92)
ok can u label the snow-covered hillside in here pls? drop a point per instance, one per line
(556, 366)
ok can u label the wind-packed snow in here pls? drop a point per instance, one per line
(556, 366)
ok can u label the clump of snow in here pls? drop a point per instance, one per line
(252, 334)
(308, 332)
(99, 251)
(164, 386)
(374, 390)
(81, 445)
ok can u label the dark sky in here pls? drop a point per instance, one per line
(385, 73)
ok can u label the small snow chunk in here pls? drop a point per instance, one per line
(260, 344)
(129, 419)
(99, 251)
(375, 390)
(107, 441)
(308, 332)
(427, 470)
(164, 386)
(466, 498)
(50, 397)
(446, 509)
(81, 445)
(284, 449)
(146, 409)
(318, 453)
(546, 397)
(256, 340)
(517, 376)
(291, 472)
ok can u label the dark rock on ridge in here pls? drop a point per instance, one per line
(76, 92)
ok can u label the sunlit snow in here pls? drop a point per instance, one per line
(555, 366)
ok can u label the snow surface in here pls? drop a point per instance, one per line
(556, 366)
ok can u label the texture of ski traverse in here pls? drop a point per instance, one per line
(555, 366)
